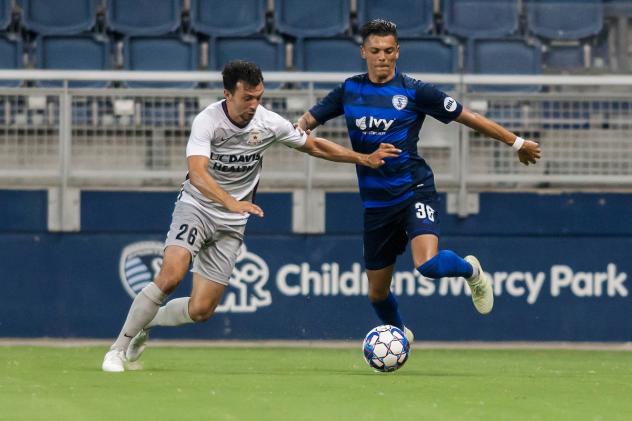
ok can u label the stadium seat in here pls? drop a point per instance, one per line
(413, 17)
(480, 18)
(144, 17)
(320, 18)
(269, 56)
(5, 14)
(329, 55)
(79, 52)
(10, 58)
(216, 18)
(167, 53)
(427, 55)
(59, 17)
(503, 56)
(552, 18)
(564, 58)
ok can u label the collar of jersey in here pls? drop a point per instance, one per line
(395, 76)
(233, 122)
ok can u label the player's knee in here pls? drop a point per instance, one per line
(200, 312)
(167, 280)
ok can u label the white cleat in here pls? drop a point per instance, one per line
(481, 287)
(409, 335)
(114, 361)
(137, 345)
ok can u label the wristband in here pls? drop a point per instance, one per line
(518, 143)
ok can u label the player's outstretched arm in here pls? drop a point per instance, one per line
(202, 180)
(306, 122)
(528, 150)
(326, 149)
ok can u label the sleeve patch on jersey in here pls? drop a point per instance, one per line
(449, 104)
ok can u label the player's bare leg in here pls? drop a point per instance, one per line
(435, 264)
(146, 304)
(199, 307)
(383, 301)
(424, 247)
(205, 298)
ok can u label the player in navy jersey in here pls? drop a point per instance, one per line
(399, 198)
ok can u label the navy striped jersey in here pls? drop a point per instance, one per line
(392, 112)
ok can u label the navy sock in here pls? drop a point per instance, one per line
(446, 263)
(387, 311)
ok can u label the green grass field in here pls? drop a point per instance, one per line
(40, 383)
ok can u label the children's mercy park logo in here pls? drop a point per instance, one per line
(140, 263)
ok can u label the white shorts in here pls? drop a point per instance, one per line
(214, 247)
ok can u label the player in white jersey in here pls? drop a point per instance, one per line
(224, 155)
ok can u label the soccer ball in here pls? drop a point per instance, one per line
(386, 348)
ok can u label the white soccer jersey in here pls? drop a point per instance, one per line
(234, 154)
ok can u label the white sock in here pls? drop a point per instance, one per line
(143, 309)
(174, 313)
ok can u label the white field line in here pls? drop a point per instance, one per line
(75, 343)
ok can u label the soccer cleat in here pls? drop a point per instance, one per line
(137, 345)
(409, 335)
(114, 361)
(481, 287)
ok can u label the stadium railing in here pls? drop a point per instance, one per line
(82, 138)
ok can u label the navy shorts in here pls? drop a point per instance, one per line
(387, 230)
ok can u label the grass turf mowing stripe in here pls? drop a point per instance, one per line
(39, 383)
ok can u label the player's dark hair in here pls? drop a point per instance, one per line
(246, 71)
(380, 27)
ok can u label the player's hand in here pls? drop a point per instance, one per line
(301, 130)
(245, 207)
(386, 150)
(530, 152)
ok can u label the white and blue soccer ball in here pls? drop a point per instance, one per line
(386, 348)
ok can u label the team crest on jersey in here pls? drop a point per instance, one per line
(246, 292)
(139, 264)
(255, 137)
(400, 102)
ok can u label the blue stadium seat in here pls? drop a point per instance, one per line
(564, 58)
(329, 55)
(413, 17)
(79, 52)
(167, 53)
(320, 18)
(269, 56)
(5, 14)
(144, 17)
(10, 58)
(219, 18)
(565, 19)
(480, 18)
(427, 55)
(503, 56)
(59, 17)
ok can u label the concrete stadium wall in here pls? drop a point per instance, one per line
(560, 265)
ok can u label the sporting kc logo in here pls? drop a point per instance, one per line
(399, 102)
(139, 264)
